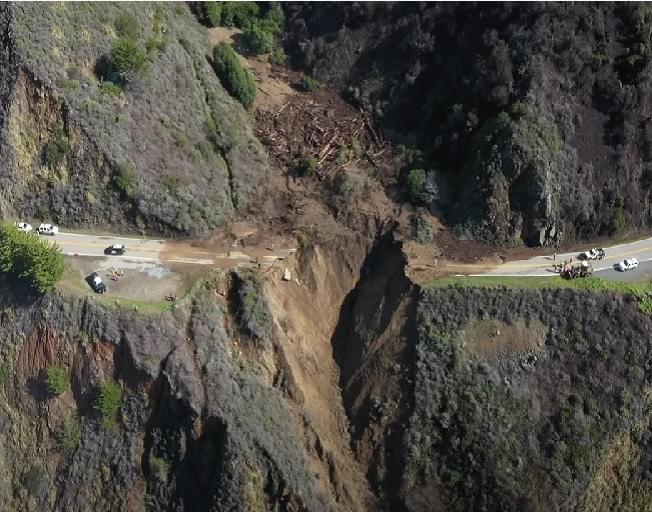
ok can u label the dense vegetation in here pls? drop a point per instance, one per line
(262, 26)
(252, 310)
(234, 77)
(493, 428)
(30, 259)
(527, 118)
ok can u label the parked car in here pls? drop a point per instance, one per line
(48, 229)
(628, 264)
(593, 254)
(24, 227)
(117, 249)
(96, 283)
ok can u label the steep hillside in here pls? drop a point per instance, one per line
(172, 152)
(198, 427)
(532, 119)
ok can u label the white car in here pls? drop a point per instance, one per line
(627, 264)
(593, 254)
(48, 229)
(24, 227)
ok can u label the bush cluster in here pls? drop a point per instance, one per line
(57, 380)
(262, 28)
(305, 164)
(124, 179)
(229, 14)
(252, 311)
(309, 84)
(70, 434)
(235, 78)
(57, 149)
(415, 184)
(108, 403)
(127, 59)
(30, 258)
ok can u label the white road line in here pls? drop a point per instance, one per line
(81, 235)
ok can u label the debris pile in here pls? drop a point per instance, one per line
(334, 133)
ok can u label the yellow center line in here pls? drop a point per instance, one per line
(63, 243)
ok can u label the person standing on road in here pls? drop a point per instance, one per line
(554, 257)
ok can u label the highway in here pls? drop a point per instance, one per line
(543, 265)
(161, 251)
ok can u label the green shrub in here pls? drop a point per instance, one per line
(159, 467)
(305, 164)
(309, 84)
(127, 25)
(277, 57)
(68, 84)
(70, 434)
(239, 14)
(415, 185)
(235, 79)
(30, 258)
(253, 313)
(109, 401)
(259, 38)
(57, 149)
(212, 13)
(111, 89)
(57, 380)
(124, 179)
(127, 58)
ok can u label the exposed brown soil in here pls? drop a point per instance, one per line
(490, 339)
(307, 311)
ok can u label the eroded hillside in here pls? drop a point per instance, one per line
(330, 380)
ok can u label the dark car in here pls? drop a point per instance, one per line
(115, 249)
(95, 281)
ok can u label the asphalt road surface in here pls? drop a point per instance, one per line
(543, 265)
(159, 251)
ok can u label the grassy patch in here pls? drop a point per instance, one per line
(74, 284)
(57, 380)
(71, 434)
(108, 403)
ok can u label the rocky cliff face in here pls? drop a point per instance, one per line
(533, 119)
(173, 152)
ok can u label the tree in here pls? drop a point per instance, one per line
(127, 58)
(212, 13)
(259, 38)
(416, 185)
(235, 79)
(305, 164)
(30, 258)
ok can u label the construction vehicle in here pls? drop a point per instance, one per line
(571, 271)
